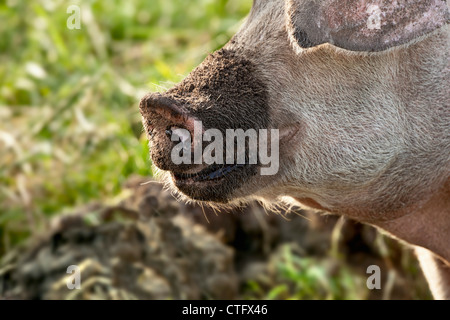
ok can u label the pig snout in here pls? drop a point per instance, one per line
(224, 93)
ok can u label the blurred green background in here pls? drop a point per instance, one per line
(70, 128)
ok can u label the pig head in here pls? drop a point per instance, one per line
(359, 91)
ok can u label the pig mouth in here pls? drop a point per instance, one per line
(215, 183)
(213, 172)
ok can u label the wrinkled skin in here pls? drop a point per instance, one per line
(363, 119)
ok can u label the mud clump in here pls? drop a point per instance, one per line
(162, 258)
(149, 246)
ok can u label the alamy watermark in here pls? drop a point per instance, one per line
(74, 280)
(374, 281)
(241, 147)
(74, 20)
(374, 21)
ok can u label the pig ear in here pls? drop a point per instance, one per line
(363, 25)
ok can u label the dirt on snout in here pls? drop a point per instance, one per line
(149, 246)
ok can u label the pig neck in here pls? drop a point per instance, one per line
(425, 223)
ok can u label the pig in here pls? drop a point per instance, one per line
(359, 91)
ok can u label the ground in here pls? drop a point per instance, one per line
(71, 139)
(149, 246)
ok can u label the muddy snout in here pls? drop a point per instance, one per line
(219, 110)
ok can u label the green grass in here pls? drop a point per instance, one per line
(70, 129)
(307, 278)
